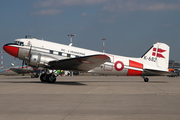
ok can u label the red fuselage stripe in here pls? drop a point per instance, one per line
(134, 73)
(135, 64)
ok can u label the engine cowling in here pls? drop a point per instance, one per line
(38, 60)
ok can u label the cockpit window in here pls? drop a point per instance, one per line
(19, 43)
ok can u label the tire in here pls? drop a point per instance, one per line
(42, 78)
(146, 79)
(32, 76)
(51, 79)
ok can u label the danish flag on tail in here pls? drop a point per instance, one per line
(157, 52)
(157, 57)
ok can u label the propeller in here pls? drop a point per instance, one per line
(23, 64)
(28, 58)
(29, 55)
(22, 67)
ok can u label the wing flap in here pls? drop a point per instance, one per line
(81, 63)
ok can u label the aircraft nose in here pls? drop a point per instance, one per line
(11, 50)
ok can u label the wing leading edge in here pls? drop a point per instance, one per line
(81, 63)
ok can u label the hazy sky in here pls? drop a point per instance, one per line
(129, 26)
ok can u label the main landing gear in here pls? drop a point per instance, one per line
(34, 75)
(145, 79)
(49, 78)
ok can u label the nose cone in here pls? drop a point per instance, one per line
(11, 50)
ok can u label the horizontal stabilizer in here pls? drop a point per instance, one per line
(156, 72)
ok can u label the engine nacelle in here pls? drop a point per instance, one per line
(38, 60)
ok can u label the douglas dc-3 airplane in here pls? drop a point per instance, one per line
(55, 56)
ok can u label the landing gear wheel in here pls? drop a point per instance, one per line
(32, 76)
(146, 79)
(51, 78)
(43, 78)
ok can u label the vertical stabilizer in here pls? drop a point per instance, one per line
(157, 56)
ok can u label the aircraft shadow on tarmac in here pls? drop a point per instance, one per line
(158, 82)
(25, 77)
(71, 82)
(127, 81)
(56, 83)
(67, 83)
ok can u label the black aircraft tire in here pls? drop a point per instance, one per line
(49, 79)
(146, 79)
(32, 76)
(42, 78)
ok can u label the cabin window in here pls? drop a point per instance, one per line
(77, 56)
(68, 55)
(60, 53)
(51, 51)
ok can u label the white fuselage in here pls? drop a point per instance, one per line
(118, 65)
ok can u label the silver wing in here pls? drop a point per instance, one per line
(80, 64)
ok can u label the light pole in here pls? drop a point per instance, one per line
(1, 58)
(103, 44)
(71, 38)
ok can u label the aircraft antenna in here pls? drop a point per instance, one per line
(27, 36)
(71, 38)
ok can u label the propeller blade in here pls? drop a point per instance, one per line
(29, 55)
(22, 67)
(30, 52)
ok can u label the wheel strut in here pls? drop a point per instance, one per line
(145, 79)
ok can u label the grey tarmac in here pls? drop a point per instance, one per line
(90, 98)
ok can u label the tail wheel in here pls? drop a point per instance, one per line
(146, 79)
